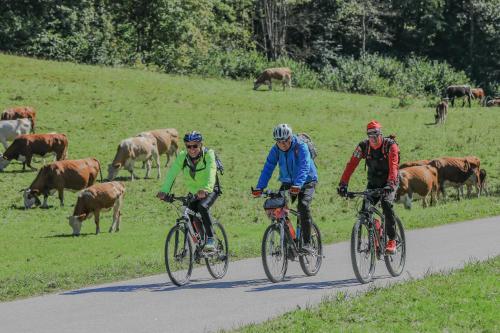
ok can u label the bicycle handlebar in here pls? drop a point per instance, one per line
(367, 193)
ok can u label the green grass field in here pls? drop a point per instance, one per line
(97, 107)
(466, 300)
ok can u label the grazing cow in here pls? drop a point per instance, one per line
(9, 129)
(167, 141)
(284, 74)
(417, 180)
(441, 112)
(453, 92)
(134, 149)
(456, 171)
(21, 112)
(480, 184)
(25, 146)
(74, 175)
(492, 101)
(95, 198)
(478, 93)
(414, 163)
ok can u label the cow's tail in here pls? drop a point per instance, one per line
(100, 169)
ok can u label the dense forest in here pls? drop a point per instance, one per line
(391, 47)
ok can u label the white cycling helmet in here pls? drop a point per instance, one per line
(282, 132)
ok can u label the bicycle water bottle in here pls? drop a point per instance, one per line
(290, 227)
(298, 231)
(378, 227)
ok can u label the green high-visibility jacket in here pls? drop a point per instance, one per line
(202, 179)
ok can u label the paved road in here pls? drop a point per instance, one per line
(153, 304)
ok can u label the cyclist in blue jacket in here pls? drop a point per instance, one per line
(297, 174)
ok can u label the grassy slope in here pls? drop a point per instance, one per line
(97, 107)
(463, 301)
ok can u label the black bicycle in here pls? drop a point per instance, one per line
(281, 242)
(186, 241)
(369, 237)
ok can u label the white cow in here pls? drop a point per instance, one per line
(9, 129)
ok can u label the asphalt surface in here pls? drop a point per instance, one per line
(153, 304)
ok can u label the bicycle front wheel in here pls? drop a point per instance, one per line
(218, 260)
(311, 262)
(274, 256)
(395, 263)
(178, 255)
(362, 252)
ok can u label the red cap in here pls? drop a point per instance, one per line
(373, 125)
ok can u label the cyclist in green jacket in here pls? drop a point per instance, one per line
(199, 169)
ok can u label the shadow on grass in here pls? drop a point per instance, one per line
(257, 285)
(68, 235)
(14, 206)
(18, 171)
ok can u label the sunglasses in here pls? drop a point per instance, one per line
(192, 146)
(282, 141)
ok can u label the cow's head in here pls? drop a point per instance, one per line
(30, 198)
(3, 162)
(256, 84)
(76, 223)
(113, 171)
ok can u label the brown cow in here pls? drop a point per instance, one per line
(441, 112)
(455, 171)
(131, 150)
(493, 102)
(478, 93)
(94, 199)
(25, 146)
(480, 184)
(418, 180)
(21, 112)
(167, 141)
(284, 74)
(73, 175)
(414, 163)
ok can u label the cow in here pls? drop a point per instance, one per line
(95, 198)
(25, 146)
(418, 180)
(134, 149)
(472, 181)
(463, 91)
(456, 171)
(489, 101)
(414, 163)
(21, 112)
(74, 175)
(9, 129)
(441, 112)
(167, 141)
(478, 93)
(284, 74)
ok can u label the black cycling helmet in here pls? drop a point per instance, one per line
(193, 136)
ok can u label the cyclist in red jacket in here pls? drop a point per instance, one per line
(382, 160)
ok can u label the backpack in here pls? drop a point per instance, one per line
(313, 151)
(219, 166)
(387, 142)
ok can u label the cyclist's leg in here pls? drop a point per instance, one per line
(305, 198)
(203, 207)
(390, 218)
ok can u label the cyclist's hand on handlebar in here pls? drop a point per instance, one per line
(256, 192)
(294, 190)
(165, 196)
(202, 194)
(342, 190)
(388, 189)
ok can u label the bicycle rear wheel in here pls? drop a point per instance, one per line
(396, 262)
(218, 260)
(311, 262)
(362, 252)
(178, 255)
(274, 256)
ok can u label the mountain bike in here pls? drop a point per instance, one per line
(369, 237)
(282, 242)
(186, 240)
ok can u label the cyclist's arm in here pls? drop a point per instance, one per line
(304, 164)
(267, 171)
(393, 158)
(211, 168)
(357, 155)
(173, 172)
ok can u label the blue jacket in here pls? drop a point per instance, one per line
(296, 165)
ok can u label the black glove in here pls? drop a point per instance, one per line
(388, 189)
(342, 189)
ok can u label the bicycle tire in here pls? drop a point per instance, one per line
(277, 274)
(177, 274)
(395, 266)
(318, 255)
(217, 264)
(367, 247)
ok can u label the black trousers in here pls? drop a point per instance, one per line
(388, 210)
(202, 206)
(304, 200)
